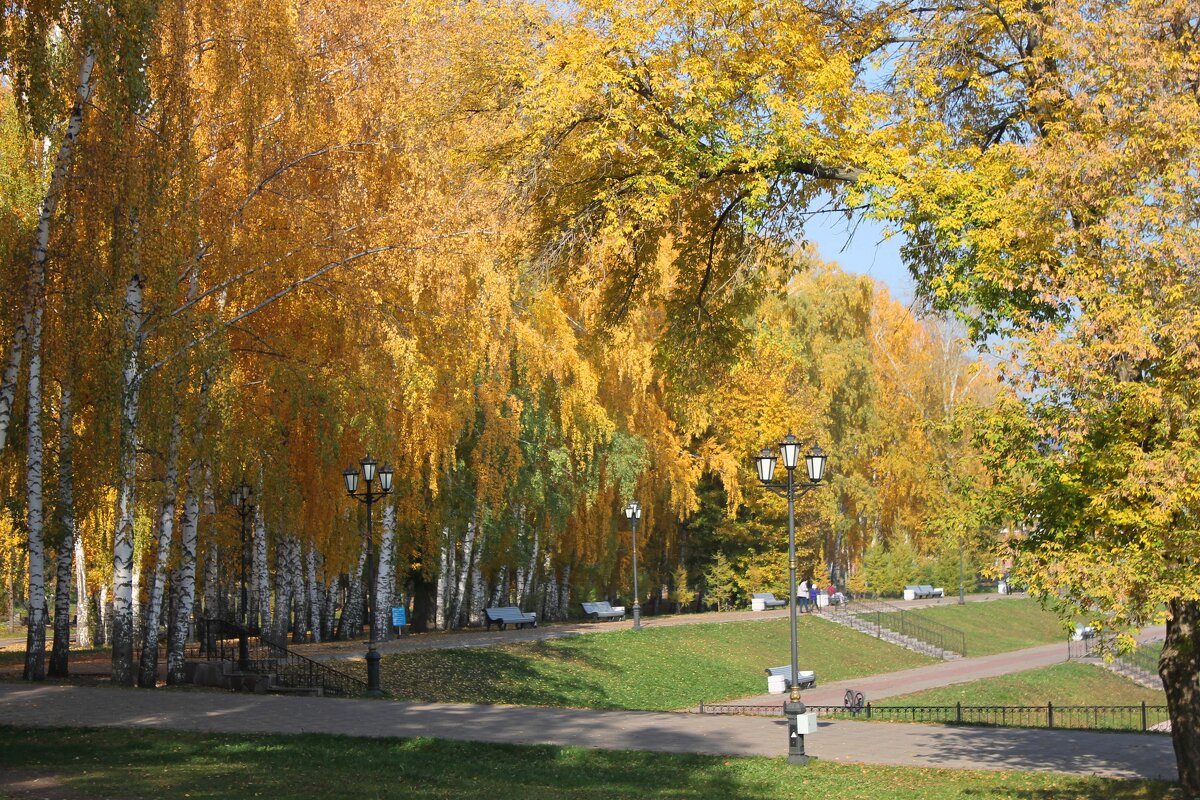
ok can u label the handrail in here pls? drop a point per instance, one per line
(219, 642)
(885, 616)
(1143, 717)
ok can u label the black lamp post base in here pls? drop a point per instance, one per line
(793, 709)
(374, 689)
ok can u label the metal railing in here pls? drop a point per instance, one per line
(874, 617)
(1112, 718)
(218, 641)
(1141, 663)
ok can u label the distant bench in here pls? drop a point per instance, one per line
(603, 610)
(509, 615)
(761, 601)
(920, 592)
(806, 677)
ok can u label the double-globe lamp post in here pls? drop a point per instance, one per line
(239, 498)
(815, 460)
(633, 512)
(370, 471)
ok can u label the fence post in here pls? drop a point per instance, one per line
(1143, 715)
(868, 710)
(1049, 714)
(701, 706)
(958, 712)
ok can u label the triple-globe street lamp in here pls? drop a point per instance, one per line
(814, 460)
(633, 512)
(239, 498)
(370, 471)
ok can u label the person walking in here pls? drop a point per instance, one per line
(812, 594)
(802, 596)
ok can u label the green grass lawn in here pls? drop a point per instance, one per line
(654, 669)
(999, 625)
(1069, 684)
(114, 763)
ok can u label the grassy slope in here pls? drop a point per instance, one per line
(654, 669)
(126, 764)
(999, 625)
(1062, 684)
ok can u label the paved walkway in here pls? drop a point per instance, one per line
(932, 676)
(1078, 752)
(448, 640)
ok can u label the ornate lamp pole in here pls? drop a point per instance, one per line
(633, 512)
(239, 498)
(350, 475)
(815, 460)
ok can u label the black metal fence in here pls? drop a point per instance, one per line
(1141, 717)
(873, 617)
(219, 641)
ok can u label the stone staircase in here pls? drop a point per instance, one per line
(897, 626)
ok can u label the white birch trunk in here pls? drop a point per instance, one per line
(328, 609)
(148, 668)
(212, 586)
(351, 621)
(314, 594)
(62, 164)
(385, 577)
(443, 582)
(299, 594)
(500, 591)
(261, 601)
(123, 555)
(186, 577)
(464, 574)
(104, 611)
(60, 654)
(139, 608)
(283, 587)
(530, 572)
(478, 590)
(550, 596)
(35, 645)
(83, 626)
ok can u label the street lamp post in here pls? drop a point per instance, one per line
(815, 460)
(350, 476)
(633, 512)
(239, 498)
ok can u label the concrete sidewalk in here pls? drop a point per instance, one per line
(1119, 755)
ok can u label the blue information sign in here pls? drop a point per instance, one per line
(398, 618)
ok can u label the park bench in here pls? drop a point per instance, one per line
(921, 591)
(603, 610)
(1083, 632)
(504, 616)
(783, 678)
(761, 601)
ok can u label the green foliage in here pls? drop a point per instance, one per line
(722, 584)
(887, 570)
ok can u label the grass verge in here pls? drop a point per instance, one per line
(114, 763)
(1069, 684)
(655, 669)
(998, 626)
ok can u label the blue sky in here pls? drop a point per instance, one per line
(859, 246)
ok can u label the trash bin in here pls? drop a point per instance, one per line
(776, 684)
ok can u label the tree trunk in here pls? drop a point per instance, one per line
(445, 564)
(328, 608)
(350, 624)
(212, 583)
(478, 589)
(60, 654)
(280, 622)
(186, 593)
(83, 599)
(62, 164)
(104, 613)
(148, 668)
(314, 593)
(564, 593)
(35, 645)
(261, 591)
(1179, 668)
(385, 578)
(123, 555)
(299, 594)
(457, 618)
